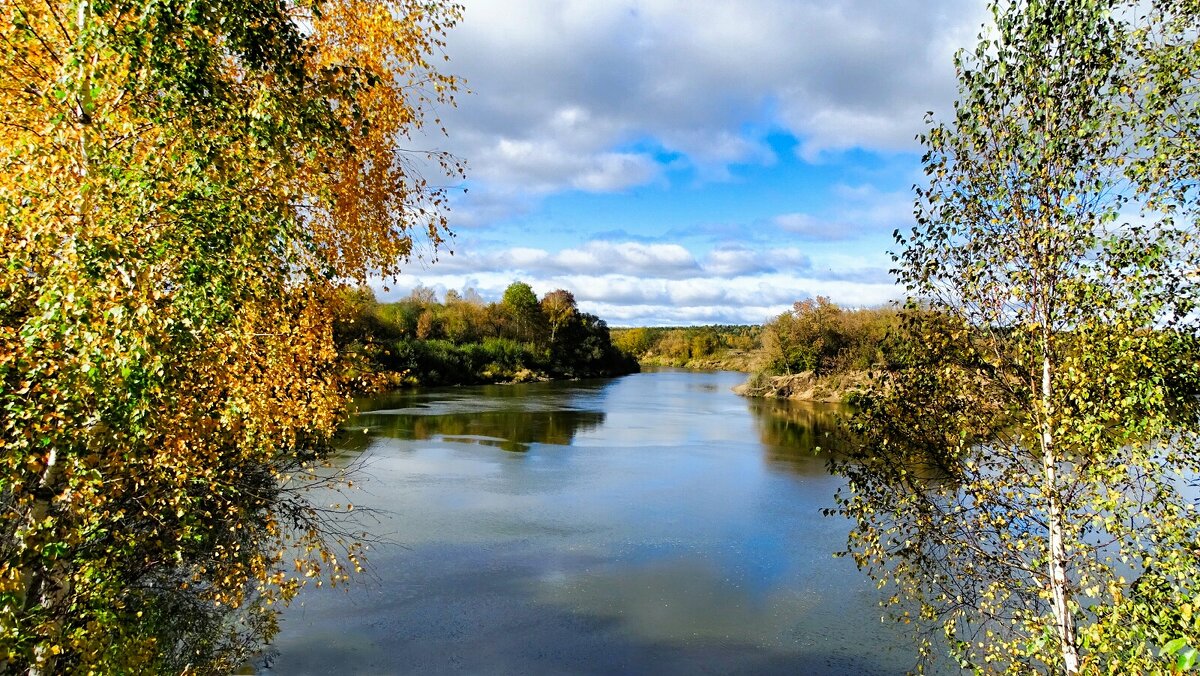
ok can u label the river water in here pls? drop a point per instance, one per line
(651, 524)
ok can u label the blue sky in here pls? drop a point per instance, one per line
(678, 162)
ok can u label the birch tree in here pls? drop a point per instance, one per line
(1019, 486)
(184, 187)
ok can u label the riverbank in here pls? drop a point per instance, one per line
(406, 363)
(782, 356)
(805, 386)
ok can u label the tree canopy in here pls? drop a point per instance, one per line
(183, 188)
(559, 307)
(465, 340)
(521, 303)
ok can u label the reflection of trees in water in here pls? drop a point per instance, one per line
(510, 417)
(517, 428)
(555, 394)
(800, 435)
(805, 435)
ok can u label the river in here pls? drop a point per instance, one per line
(651, 524)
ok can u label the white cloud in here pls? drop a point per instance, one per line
(545, 166)
(636, 258)
(630, 283)
(613, 172)
(738, 260)
(524, 257)
(560, 92)
(596, 257)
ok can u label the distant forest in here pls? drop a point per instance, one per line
(815, 335)
(716, 346)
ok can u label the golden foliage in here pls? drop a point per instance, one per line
(184, 187)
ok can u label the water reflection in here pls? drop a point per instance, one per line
(803, 437)
(800, 436)
(671, 537)
(506, 417)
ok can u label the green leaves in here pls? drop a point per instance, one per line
(1185, 656)
(1052, 383)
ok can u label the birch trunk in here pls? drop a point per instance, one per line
(1060, 593)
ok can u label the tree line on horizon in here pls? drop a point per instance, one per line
(815, 335)
(464, 339)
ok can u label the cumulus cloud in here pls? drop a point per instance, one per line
(631, 283)
(543, 166)
(736, 260)
(636, 258)
(630, 301)
(557, 86)
(595, 257)
(633, 259)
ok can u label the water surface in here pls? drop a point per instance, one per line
(656, 523)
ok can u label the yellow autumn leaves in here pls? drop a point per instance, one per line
(184, 187)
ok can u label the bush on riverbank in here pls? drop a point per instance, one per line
(818, 351)
(818, 336)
